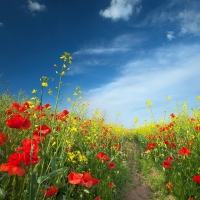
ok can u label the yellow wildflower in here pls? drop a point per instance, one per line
(34, 91)
(136, 120)
(168, 98)
(149, 103)
(50, 92)
(31, 104)
(63, 58)
(62, 73)
(64, 66)
(44, 84)
(184, 105)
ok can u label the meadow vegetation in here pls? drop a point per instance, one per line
(173, 149)
(58, 154)
(48, 153)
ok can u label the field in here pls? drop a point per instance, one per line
(173, 147)
(59, 154)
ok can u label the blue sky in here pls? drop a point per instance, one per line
(125, 52)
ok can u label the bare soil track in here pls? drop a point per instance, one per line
(135, 189)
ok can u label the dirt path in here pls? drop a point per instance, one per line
(136, 189)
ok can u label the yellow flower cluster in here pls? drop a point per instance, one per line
(76, 156)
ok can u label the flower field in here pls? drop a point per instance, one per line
(47, 153)
(174, 147)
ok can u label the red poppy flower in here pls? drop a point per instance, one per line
(196, 178)
(38, 108)
(29, 146)
(37, 136)
(184, 151)
(47, 105)
(92, 145)
(49, 193)
(166, 142)
(83, 179)
(192, 119)
(172, 144)
(13, 166)
(103, 156)
(3, 138)
(166, 164)
(97, 198)
(12, 169)
(15, 159)
(117, 146)
(15, 105)
(63, 115)
(29, 159)
(111, 184)
(19, 122)
(151, 146)
(40, 132)
(169, 159)
(65, 112)
(169, 186)
(44, 130)
(100, 155)
(111, 165)
(24, 107)
(75, 178)
(173, 115)
(85, 132)
(88, 180)
(197, 128)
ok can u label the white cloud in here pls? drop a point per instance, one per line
(170, 35)
(1, 24)
(185, 19)
(171, 71)
(122, 43)
(35, 6)
(100, 50)
(189, 22)
(120, 9)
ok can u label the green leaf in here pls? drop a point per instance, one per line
(53, 173)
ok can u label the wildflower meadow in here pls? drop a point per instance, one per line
(48, 153)
(173, 146)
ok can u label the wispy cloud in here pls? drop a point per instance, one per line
(170, 71)
(122, 43)
(121, 9)
(100, 50)
(35, 6)
(170, 35)
(1, 24)
(184, 16)
(189, 22)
